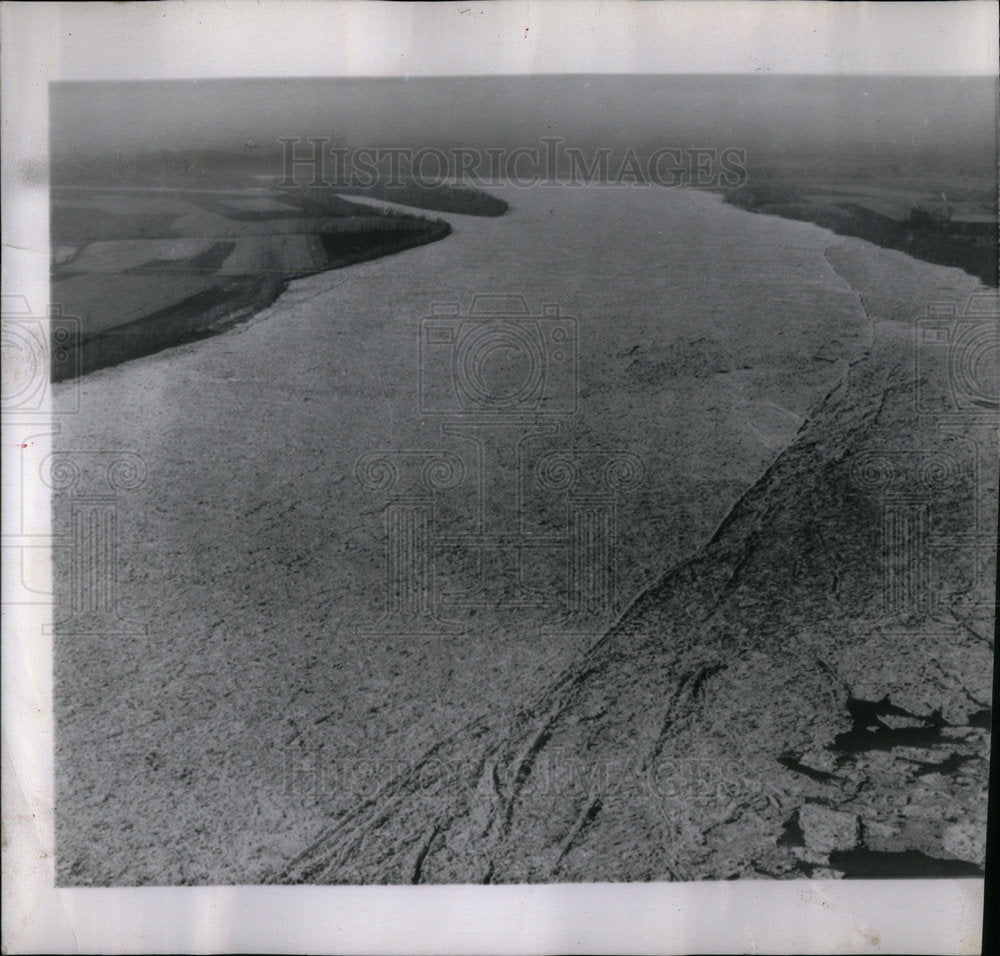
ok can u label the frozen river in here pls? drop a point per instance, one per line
(268, 537)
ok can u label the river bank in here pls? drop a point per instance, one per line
(138, 268)
(916, 219)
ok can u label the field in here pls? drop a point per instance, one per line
(143, 267)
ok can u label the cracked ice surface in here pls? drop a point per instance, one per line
(706, 335)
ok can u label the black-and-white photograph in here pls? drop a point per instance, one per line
(541, 478)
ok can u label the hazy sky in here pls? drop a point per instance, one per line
(761, 112)
(307, 38)
(314, 37)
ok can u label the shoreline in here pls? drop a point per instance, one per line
(208, 313)
(924, 235)
(212, 311)
(143, 268)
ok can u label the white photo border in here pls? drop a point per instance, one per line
(204, 38)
